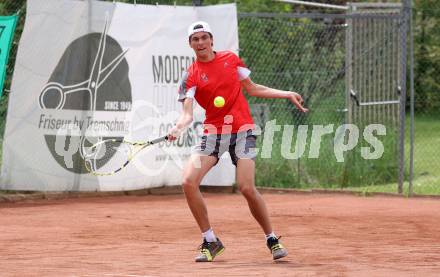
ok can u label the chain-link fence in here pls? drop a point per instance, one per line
(306, 56)
(426, 68)
(347, 66)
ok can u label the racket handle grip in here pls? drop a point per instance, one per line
(154, 141)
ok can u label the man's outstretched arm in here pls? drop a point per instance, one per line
(265, 92)
(185, 119)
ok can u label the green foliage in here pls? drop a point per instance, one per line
(427, 55)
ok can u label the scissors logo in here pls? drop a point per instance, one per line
(91, 75)
(53, 95)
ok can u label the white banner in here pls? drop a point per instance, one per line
(87, 71)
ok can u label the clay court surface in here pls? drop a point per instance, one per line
(326, 235)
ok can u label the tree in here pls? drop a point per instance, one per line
(427, 56)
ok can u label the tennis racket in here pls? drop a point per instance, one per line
(110, 156)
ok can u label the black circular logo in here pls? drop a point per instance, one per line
(91, 76)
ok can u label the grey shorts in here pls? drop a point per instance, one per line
(239, 145)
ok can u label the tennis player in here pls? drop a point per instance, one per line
(227, 127)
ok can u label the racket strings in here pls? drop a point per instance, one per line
(108, 156)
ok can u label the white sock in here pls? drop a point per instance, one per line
(209, 235)
(271, 235)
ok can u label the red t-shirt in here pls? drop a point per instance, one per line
(220, 77)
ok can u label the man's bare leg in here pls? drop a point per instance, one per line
(246, 184)
(195, 170)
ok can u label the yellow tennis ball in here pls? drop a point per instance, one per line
(219, 101)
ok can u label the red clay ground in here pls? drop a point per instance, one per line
(326, 235)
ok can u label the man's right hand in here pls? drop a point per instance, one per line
(174, 133)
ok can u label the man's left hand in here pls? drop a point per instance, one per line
(298, 101)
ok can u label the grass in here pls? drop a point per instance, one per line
(426, 159)
(370, 176)
(426, 154)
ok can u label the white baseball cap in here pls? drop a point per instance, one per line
(198, 26)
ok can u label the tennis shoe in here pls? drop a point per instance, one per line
(209, 250)
(276, 248)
